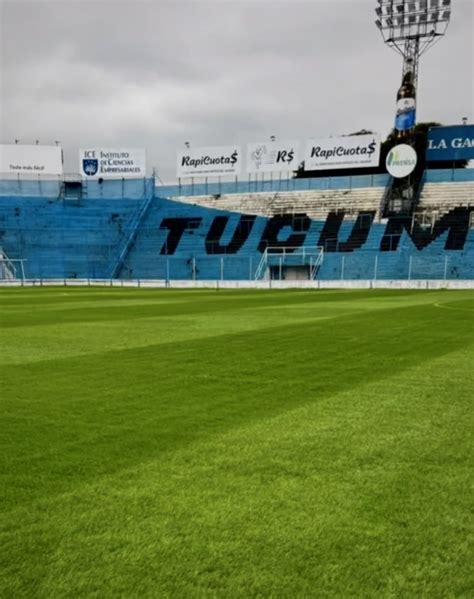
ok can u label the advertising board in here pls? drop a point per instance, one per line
(31, 160)
(352, 151)
(450, 143)
(112, 163)
(209, 161)
(401, 161)
(272, 156)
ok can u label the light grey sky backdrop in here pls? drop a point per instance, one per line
(157, 73)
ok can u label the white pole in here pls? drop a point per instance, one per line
(194, 268)
(250, 268)
(22, 271)
(342, 267)
(167, 269)
(222, 269)
(410, 261)
(445, 267)
(375, 266)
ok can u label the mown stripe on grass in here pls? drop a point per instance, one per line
(82, 417)
(52, 340)
(336, 498)
(208, 303)
(56, 336)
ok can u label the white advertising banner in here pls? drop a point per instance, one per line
(352, 151)
(209, 161)
(30, 160)
(272, 156)
(112, 163)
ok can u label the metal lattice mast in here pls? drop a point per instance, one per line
(411, 59)
(411, 27)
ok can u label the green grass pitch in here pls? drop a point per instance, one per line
(181, 444)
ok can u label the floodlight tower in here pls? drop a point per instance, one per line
(411, 27)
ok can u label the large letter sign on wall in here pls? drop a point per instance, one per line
(285, 231)
(272, 156)
(451, 143)
(31, 160)
(201, 162)
(112, 163)
(353, 151)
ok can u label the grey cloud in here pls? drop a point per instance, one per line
(156, 73)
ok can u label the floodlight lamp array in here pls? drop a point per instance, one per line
(422, 20)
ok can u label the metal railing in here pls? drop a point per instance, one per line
(326, 266)
(130, 238)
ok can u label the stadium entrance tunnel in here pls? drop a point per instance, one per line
(290, 273)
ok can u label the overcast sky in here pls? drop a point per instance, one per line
(157, 73)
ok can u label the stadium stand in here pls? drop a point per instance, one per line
(316, 204)
(130, 229)
(441, 197)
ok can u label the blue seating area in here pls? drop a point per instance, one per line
(137, 231)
